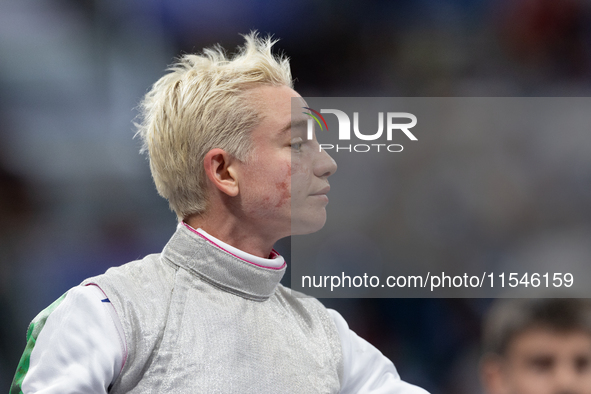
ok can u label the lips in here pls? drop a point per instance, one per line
(322, 191)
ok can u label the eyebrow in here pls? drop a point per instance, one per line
(297, 123)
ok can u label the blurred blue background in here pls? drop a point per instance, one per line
(77, 198)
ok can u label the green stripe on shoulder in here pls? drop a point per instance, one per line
(32, 333)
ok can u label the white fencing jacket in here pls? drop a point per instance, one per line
(201, 317)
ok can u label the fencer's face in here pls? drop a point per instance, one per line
(283, 185)
(540, 361)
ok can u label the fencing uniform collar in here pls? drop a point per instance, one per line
(203, 257)
(273, 261)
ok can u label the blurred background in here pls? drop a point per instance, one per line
(77, 198)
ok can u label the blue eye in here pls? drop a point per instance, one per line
(296, 146)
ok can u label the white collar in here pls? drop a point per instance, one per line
(276, 261)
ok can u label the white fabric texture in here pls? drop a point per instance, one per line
(82, 348)
(276, 262)
(366, 369)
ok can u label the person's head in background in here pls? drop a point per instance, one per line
(537, 346)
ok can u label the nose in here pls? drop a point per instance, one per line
(324, 165)
(566, 379)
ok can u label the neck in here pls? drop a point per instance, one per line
(234, 232)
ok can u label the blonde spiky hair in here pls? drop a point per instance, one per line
(199, 105)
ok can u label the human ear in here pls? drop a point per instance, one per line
(219, 168)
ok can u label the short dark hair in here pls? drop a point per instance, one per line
(508, 318)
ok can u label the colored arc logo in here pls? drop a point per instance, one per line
(316, 117)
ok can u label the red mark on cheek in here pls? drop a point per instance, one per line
(284, 188)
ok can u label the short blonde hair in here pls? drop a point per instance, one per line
(199, 105)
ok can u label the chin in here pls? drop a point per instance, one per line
(308, 226)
